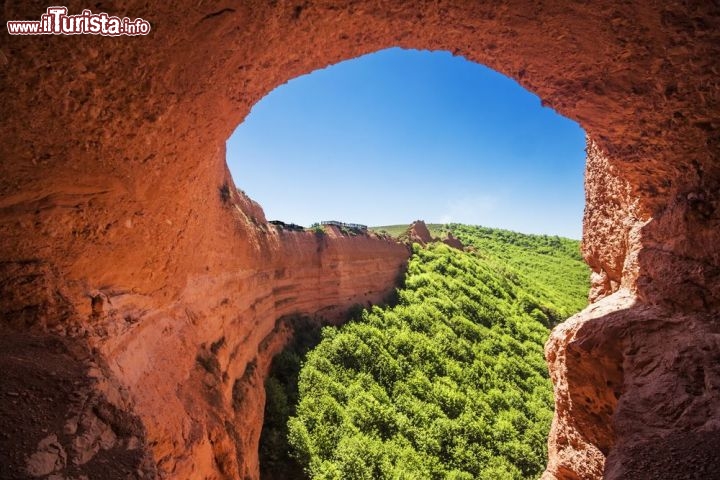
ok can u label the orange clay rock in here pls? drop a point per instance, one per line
(418, 233)
(453, 242)
(121, 228)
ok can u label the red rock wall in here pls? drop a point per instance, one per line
(237, 311)
(195, 363)
(113, 159)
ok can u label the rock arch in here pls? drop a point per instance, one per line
(113, 161)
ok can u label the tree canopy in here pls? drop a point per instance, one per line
(450, 382)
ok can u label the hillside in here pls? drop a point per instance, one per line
(397, 230)
(448, 383)
(552, 266)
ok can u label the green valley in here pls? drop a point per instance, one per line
(449, 382)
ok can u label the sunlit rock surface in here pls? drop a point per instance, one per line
(121, 230)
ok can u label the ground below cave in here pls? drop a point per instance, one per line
(55, 423)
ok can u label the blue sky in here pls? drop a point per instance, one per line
(400, 135)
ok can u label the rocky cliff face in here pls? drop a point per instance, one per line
(116, 229)
(206, 357)
(195, 366)
(635, 373)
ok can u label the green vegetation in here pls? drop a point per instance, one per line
(281, 391)
(450, 382)
(552, 265)
(224, 191)
(317, 229)
(553, 269)
(392, 230)
(397, 231)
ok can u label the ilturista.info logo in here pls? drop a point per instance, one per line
(56, 21)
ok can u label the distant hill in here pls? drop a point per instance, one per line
(552, 265)
(397, 230)
(450, 382)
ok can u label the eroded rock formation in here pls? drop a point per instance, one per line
(196, 365)
(418, 232)
(453, 242)
(116, 229)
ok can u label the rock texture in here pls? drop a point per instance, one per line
(64, 414)
(637, 384)
(120, 228)
(418, 232)
(195, 366)
(453, 242)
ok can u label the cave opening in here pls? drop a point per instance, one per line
(399, 134)
(108, 180)
(403, 134)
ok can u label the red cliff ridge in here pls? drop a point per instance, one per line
(142, 297)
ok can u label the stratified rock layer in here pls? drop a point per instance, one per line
(119, 226)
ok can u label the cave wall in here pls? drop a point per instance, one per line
(112, 155)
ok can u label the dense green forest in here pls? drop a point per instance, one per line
(448, 383)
